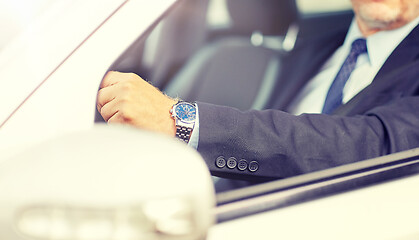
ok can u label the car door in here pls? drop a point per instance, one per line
(372, 199)
(51, 73)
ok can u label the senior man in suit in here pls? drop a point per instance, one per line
(346, 97)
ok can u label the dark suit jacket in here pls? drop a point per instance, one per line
(381, 119)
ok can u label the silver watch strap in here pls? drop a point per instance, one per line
(183, 133)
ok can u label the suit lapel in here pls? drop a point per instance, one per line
(396, 84)
(406, 52)
(403, 60)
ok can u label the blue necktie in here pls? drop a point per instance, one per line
(334, 96)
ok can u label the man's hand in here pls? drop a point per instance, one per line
(126, 98)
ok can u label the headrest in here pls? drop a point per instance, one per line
(270, 17)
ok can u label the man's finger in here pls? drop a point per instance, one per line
(106, 95)
(116, 118)
(111, 78)
(109, 109)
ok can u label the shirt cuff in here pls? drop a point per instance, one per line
(193, 141)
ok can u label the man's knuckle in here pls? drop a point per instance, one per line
(126, 86)
(123, 101)
(125, 117)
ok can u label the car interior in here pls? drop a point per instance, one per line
(225, 52)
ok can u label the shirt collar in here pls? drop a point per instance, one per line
(381, 44)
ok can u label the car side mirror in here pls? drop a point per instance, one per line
(109, 182)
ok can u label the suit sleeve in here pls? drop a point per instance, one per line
(284, 145)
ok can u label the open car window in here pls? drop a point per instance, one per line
(175, 52)
(198, 36)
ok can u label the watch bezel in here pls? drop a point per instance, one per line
(175, 115)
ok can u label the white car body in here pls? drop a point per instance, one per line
(386, 211)
(50, 75)
(49, 80)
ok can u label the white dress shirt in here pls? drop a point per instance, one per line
(311, 98)
(380, 45)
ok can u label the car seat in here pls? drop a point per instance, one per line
(240, 69)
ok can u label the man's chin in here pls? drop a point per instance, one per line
(379, 15)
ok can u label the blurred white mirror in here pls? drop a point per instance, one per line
(106, 183)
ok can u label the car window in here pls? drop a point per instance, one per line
(199, 50)
(199, 46)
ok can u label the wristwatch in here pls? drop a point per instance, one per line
(184, 114)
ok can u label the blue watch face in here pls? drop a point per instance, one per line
(185, 112)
